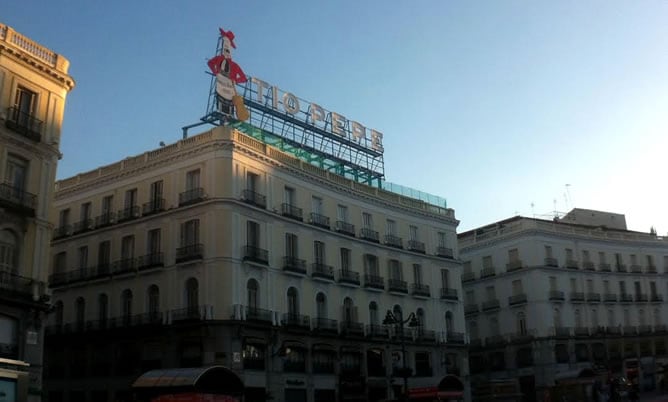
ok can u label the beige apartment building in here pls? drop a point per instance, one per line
(221, 249)
(553, 300)
(33, 86)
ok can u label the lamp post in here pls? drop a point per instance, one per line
(397, 321)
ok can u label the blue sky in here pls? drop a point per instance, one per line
(494, 105)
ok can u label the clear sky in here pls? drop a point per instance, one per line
(494, 105)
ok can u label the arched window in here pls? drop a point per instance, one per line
(192, 294)
(103, 308)
(521, 323)
(293, 302)
(252, 288)
(80, 311)
(153, 301)
(8, 252)
(348, 310)
(373, 313)
(321, 305)
(59, 313)
(449, 322)
(126, 305)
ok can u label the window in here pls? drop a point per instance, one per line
(373, 313)
(64, 218)
(467, 267)
(371, 265)
(8, 252)
(494, 328)
(153, 242)
(548, 251)
(85, 212)
(517, 287)
(574, 285)
(291, 245)
(104, 254)
(601, 257)
(126, 304)
(413, 233)
(618, 260)
(594, 318)
(252, 181)
(491, 292)
(622, 287)
(103, 308)
(319, 252)
(192, 294)
(321, 305)
(449, 322)
(473, 329)
(80, 311)
(585, 256)
(557, 318)
(611, 318)
(445, 278)
(25, 103)
(127, 247)
(59, 307)
(156, 191)
(652, 289)
(569, 254)
(83, 257)
(60, 262)
(417, 273)
(316, 205)
(17, 172)
(590, 285)
(606, 286)
(391, 227)
(470, 297)
(627, 317)
(190, 233)
(637, 287)
(578, 318)
(130, 198)
(252, 293)
(394, 268)
(553, 283)
(367, 221)
(422, 364)
(487, 262)
(293, 302)
(349, 311)
(650, 261)
(192, 180)
(513, 255)
(253, 234)
(342, 213)
(345, 259)
(521, 323)
(442, 239)
(289, 195)
(633, 259)
(153, 301)
(107, 204)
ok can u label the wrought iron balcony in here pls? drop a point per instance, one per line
(514, 265)
(625, 298)
(444, 252)
(83, 226)
(551, 262)
(191, 196)
(520, 298)
(369, 234)
(320, 270)
(613, 330)
(489, 305)
(562, 332)
(124, 266)
(349, 277)
(190, 252)
(394, 241)
(19, 286)
(24, 123)
(471, 308)
(593, 297)
(374, 282)
(416, 246)
(292, 212)
(256, 254)
(254, 198)
(319, 220)
(152, 260)
(454, 337)
(259, 315)
(660, 328)
(420, 290)
(651, 269)
(610, 298)
(106, 219)
(630, 330)
(294, 265)
(556, 295)
(495, 340)
(656, 298)
(581, 331)
(641, 298)
(377, 331)
(192, 313)
(604, 267)
(577, 297)
(572, 264)
(588, 265)
(449, 294)
(636, 269)
(17, 199)
(644, 329)
(153, 206)
(127, 214)
(621, 268)
(426, 335)
(468, 276)
(102, 270)
(62, 231)
(487, 272)
(325, 325)
(397, 285)
(345, 228)
(352, 328)
(297, 321)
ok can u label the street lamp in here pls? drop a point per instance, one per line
(397, 321)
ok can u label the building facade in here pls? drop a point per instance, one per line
(545, 299)
(220, 249)
(33, 87)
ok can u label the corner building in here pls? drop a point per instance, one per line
(33, 86)
(220, 249)
(555, 300)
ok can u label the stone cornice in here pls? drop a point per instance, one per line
(48, 71)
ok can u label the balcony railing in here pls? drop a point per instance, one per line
(294, 265)
(319, 220)
(24, 123)
(397, 285)
(588, 265)
(517, 299)
(345, 228)
(325, 325)
(152, 260)
(124, 266)
(651, 269)
(352, 328)
(192, 313)
(613, 330)
(292, 212)
(625, 298)
(416, 246)
(572, 264)
(323, 367)
(454, 337)
(154, 206)
(556, 295)
(495, 340)
(604, 267)
(377, 331)
(190, 252)
(259, 315)
(630, 330)
(349, 277)
(562, 332)
(489, 305)
(593, 297)
(83, 226)
(16, 198)
(369, 234)
(256, 254)
(514, 265)
(420, 290)
(254, 198)
(621, 268)
(656, 298)
(471, 308)
(449, 294)
(487, 272)
(374, 282)
(426, 335)
(468, 276)
(577, 296)
(644, 329)
(444, 252)
(581, 331)
(62, 231)
(14, 284)
(610, 298)
(191, 196)
(551, 262)
(394, 241)
(320, 270)
(106, 219)
(128, 213)
(297, 321)
(636, 269)
(641, 297)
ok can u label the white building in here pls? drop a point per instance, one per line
(547, 299)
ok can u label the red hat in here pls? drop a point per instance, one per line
(229, 35)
